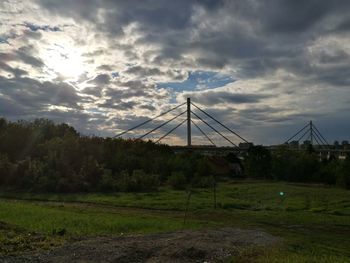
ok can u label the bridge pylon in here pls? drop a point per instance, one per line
(309, 131)
(189, 122)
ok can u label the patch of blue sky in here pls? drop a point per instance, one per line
(199, 80)
(3, 40)
(35, 28)
(115, 74)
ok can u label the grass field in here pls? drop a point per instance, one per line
(313, 221)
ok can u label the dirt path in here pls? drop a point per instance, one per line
(185, 246)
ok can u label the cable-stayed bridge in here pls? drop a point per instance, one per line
(309, 133)
(192, 113)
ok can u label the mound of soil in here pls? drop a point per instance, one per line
(184, 246)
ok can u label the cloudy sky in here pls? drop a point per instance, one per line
(264, 68)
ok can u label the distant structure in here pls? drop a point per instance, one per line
(189, 113)
(307, 137)
(313, 137)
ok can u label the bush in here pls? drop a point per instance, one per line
(177, 180)
(138, 181)
(107, 182)
(328, 172)
(203, 181)
(5, 168)
(343, 175)
(90, 172)
(258, 162)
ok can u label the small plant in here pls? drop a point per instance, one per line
(177, 180)
(138, 181)
(203, 181)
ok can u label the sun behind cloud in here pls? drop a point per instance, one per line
(64, 61)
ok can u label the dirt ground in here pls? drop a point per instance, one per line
(184, 246)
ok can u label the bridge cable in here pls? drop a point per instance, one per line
(303, 135)
(313, 138)
(321, 135)
(297, 133)
(223, 125)
(173, 129)
(215, 130)
(317, 140)
(156, 128)
(203, 133)
(318, 137)
(145, 122)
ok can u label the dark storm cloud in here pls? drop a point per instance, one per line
(254, 30)
(95, 91)
(142, 71)
(35, 96)
(338, 57)
(294, 16)
(28, 34)
(28, 59)
(269, 114)
(101, 79)
(147, 107)
(261, 110)
(119, 94)
(136, 93)
(121, 106)
(155, 15)
(105, 67)
(9, 108)
(23, 54)
(136, 84)
(336, 76)
(220, 97)
(134, 89)
(83, 122)
(17, 72)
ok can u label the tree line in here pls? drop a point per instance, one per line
(304, 166)
(46, 157)
(43, 156)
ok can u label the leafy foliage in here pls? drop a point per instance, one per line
(308, 168)
(43, 156)
(177, 181)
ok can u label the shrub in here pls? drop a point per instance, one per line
(343, 175)
(177, 180)
(138, 181)
(258, 162)
(107, 182)
(203, 181)
(5, 168)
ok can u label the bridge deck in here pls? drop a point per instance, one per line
(212, 149)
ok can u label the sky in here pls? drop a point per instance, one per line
(262, 67)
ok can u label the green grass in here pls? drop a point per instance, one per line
(28, 225)
(313, 221)
(83, 221)
(249, 196)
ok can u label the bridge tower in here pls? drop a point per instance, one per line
(311, 133)
(188, 122)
